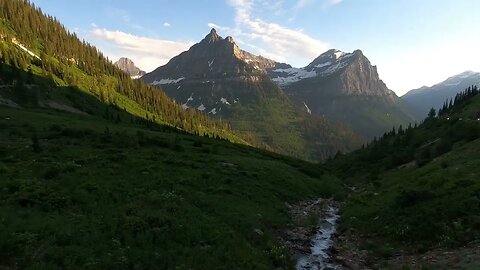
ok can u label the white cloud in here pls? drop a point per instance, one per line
(333, 2)
(167, 24)
(147, 53)
(219, 27)
(325, 3)
(276, 41)
(303, 3)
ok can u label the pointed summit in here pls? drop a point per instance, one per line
(128, 66)
(212, 37)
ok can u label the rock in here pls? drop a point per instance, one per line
(288, 206)
(228, 165)
(259, 232)
(127, 66)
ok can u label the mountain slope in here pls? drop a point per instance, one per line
(79, 191)
(97, 171)
(425, 98)
(344, 87)
(34, 44)
(416, 189)
(129, 67)
(216, 77)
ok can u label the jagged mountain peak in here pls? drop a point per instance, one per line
(212, 37)
(125, 61)
(229, 39)
(212, 58)
(129, 67)
(331, 57)
(328, 63)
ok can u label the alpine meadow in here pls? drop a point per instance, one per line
(135, 136)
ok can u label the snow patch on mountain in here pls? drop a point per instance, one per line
(308, 109)
(210, 63)
(292, 75)
(224, 101)
(339, 54)
(213, 111)
(167, 81)
(336, 61)
(333, 68)
(201, 107)
(323, 65)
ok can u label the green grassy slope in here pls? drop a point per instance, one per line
(82, 192)
(261, 113)
(33, 44)
(419, 188)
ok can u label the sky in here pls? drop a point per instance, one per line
(412, 42)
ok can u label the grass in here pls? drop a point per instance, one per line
(98, 195)
(435, 205)
(416, 190)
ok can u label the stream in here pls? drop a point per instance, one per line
(319, 257)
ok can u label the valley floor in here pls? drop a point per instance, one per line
(350, 255)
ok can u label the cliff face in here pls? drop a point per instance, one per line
(211, 58)
(129, 67)
(344, 87)
(361, 78)
(217, 77)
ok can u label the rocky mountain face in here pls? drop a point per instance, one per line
(214, 74)
(128, 66)
(425, 98)
(217, 77)
(344, 87)
(213, 58)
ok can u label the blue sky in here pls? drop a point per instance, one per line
(412, 42)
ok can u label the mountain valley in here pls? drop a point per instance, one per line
(219, 79)
(221, 159)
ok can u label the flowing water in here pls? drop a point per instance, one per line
(319, 258)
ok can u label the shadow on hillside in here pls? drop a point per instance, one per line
(29, 90)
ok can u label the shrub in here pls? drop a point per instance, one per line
(51, 173)
(3, 168)
(444, 146)
(197, 143)
(423, 157)
(409, 198)
(177, 146)
(36, 144)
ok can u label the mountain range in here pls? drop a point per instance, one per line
(101, 171)
(270, 101)
(425, 98)
(217, 77)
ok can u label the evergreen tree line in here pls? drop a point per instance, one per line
(448, 106)
(460, 98)
(415, 144)
(62, 53)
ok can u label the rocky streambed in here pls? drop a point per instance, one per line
(312, 239)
